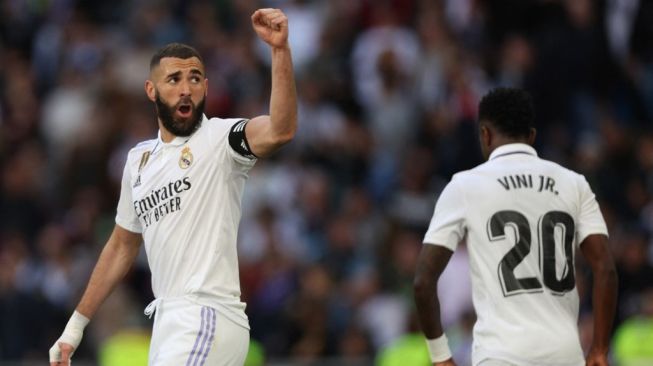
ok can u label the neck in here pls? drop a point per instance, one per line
(501, 141)
(166, 136)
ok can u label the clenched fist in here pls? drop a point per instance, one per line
(271, 25)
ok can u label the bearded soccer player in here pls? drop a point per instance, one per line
(522, 218)
(180, 196)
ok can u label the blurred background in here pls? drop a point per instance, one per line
(332, 225)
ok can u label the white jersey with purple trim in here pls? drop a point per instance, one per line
(184, 197)
(522, 218)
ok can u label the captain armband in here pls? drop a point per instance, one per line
(238, 139)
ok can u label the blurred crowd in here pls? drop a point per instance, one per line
(332, 225)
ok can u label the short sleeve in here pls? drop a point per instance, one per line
(239, 148)
(447, 227)
(228, 139)
(126, 216)
(590, 219)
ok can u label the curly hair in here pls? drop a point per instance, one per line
(510, 110)
(177, 50)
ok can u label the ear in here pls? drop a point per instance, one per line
(150, 91)
(206, 87)
(486, 136)
(531, 136)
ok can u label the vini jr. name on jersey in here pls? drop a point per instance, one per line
(520, 181)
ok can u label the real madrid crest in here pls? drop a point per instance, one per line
(186, 158)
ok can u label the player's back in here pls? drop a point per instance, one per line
(524, 217)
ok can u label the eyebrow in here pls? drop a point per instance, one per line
(196, 72)
(178, 73)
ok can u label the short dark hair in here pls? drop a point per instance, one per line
(510, 110)
(177, 50)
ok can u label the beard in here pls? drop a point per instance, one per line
(179, 126)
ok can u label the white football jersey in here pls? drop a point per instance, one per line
(184, 197)
(522, 218)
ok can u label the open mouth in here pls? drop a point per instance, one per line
(185, 110)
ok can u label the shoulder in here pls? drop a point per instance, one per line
(140, 148)
(222, 124)
(563, 171)
(576, 182)
(468, 176)
(458, 185)
(228, 134)
(145, 144)
(219, 130)
(554, 165)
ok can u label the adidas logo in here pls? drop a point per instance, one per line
(240, 126)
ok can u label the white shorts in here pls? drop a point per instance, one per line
(189, 334)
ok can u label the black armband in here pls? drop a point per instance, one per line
(238, 139)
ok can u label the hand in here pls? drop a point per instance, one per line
(596, 358)
(271, 25)
(448, 362)
(60, 354)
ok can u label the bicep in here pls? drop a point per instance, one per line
(259, 136)
(125, 239)
(432, 261)
(596, 251)
(256, 132)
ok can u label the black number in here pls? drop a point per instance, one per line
(547, 225)
(497, 230)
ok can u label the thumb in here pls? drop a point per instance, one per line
(66, 352)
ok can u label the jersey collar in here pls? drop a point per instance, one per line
(179, 140)
(510, 149)
(176, 141)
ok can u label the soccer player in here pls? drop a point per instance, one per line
(522, 218)
(180, 196)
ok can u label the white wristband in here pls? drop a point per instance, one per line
(71, 335)
(439, 348)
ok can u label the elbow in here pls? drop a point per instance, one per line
(612, 275)
(274, 143)
(607, 274)
(609, 269)
(283, 137)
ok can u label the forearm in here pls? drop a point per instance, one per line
(604, 300)
(115, 261)
(283, 96)
(428, 307)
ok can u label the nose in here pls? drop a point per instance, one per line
(184, 89)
